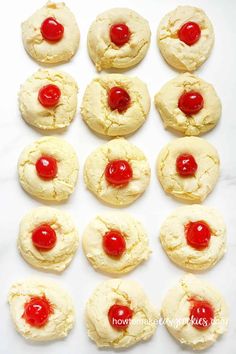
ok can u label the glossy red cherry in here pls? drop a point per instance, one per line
(190, 102)
(198, 234)
(118, 99)
(118, 172)
(44, 237)
(52, 30)
(37, 311)
(49, 95)
(189, 33)
(186, 165)
(119, 34)
(201, 314)
(114, 243)
(120, 316)
(46, 167)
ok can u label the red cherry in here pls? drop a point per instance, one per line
(49, 95)
(190, 102)
(37, 311)
(201, 314)
(118, 99)
(46, 167)
(186, 165)
(44, 237)
(114, 243)
(119, 34)
(189, 33)
(52, 30)
(118, 172)
(198, 234)
(120, 316)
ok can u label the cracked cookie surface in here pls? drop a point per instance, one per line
(127, 293)
(193, 188)
(44, 51)
(173, 237)
(178, 54)
(96, 163)
(137, 249)
(176, 309)
(166, 101)
(57, 258)
(48, 118)
(104, 53)
(60, 322)
(63, 185)
(102, 119)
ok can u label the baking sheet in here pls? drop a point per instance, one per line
(158, 274)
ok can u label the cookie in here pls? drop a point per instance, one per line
(41, 310)
(188, 168)
(185, 38)
(118, 38)
(193, 237)
(48, 239)
(137, 321)
(48, 169)
(188, 105)
(115, 105)
(115, 243)
(117, 172)
(51, 35)
(195, 313)
(48, 99)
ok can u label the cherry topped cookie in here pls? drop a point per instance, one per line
(118, 38)
(48, 169)
(185, 38)
(51, 35)
(117, 172)
(188, 168)
(115, 105)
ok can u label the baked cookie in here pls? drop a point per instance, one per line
(48, 239)
(115, 105)
(117, 172)
(188, 104)
(115, 242)
(195, 313)
(185, 38)
(118, 38)
(188, 168)
(51, 35)
(193, 237)
(41, 310)
(48, 169)
(119, 314)
(48, 99)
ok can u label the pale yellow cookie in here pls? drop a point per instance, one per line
(136, 242)
(192, 188)
(174, 241)
(127, 293)
(46, 51)
(102, 119)
(166, 101)
(95, 166)
(104, 53)
(176, 310)
(177, 53)
(58, 188)
(60, 320)
(60, 256)
(48, 118)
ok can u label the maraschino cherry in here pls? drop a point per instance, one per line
(189, 33)
(37, 311)
(46, 167)
(44, 237)
(186, 165)
(118, 172)
(119, 34)
(52, 30)
(201, 314)
(114, 243)
(120, 316)
(119, 99)
(198, 234)
(49, 95)
(190, 102)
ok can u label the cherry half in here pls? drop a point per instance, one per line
(198, 234)
(186, 165)
(37, 311)
(189, 33)
(119, 34)
(201, 314)
(114, 243)
(52, 30)
(49, 95)
(119, 99)
(118, 172)
(190, 102)
(120, 316)
(46, 167)
(44, 237)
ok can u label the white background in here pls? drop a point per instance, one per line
(158, 274)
